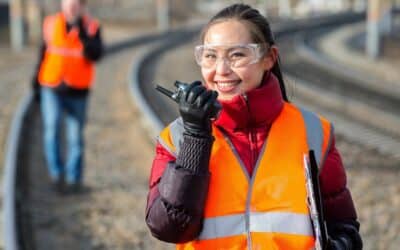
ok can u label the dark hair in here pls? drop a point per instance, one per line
(259, 29)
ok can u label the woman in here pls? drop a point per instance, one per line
(237, 181)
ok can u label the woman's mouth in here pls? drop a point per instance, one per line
(225, 87)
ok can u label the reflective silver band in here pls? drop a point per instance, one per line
(65, 51)
(223, 226)
(270, 222)
(280, 222)
(315, 135)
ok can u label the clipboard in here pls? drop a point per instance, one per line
(314, 201)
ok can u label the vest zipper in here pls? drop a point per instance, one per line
(249, 243)
(251, 137)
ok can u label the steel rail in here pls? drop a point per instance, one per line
(10, 170)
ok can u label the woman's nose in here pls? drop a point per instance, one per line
(222, 66)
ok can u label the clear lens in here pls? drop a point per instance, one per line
(235, 56)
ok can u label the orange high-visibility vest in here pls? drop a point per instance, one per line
(63, 59)
(267, 210)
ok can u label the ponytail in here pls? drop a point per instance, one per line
(276, 70)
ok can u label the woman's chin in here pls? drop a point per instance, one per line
(226, 97)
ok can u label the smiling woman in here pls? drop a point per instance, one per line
(237, 181)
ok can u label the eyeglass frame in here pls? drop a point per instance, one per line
(256, 47)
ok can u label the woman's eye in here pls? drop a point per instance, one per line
(237, 55)
(209, 56)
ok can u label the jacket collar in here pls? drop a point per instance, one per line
(257, 108)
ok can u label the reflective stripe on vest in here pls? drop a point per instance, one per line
(64, 51)
(315, 135)
(270, 222)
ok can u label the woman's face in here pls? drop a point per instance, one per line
(226, 80)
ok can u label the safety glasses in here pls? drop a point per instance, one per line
(236, 56)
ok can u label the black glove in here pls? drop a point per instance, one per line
(344, 236)
(196, 107)
(35, 89)
(83, 36)
(341, 242)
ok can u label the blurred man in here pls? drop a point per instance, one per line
(63, 78)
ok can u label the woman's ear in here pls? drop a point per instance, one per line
(270, 57)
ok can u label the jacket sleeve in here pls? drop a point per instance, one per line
(340, 213)
(178, 190)
(337, 200)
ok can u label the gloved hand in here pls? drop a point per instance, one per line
(35, 89)
(341, 242)
(196, 106)
(344, 235)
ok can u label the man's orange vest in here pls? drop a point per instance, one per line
(63, 59)
(267, 210)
